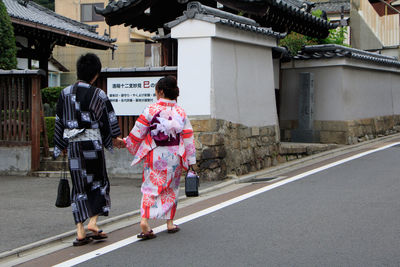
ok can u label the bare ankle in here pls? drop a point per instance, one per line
(144, 225)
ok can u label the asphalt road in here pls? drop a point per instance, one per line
(348, 215)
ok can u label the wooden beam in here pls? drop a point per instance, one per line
(35, 124)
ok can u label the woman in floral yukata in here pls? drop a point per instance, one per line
(163, 137)
(85, 124)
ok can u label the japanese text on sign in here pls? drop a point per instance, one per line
(129, 96)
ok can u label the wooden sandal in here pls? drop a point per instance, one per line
(173, 230)
(145, 236)
(80, 242)
(98, 235)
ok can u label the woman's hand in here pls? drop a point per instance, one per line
(118, 142)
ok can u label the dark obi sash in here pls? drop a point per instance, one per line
(162, 139)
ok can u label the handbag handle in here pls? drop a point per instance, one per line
(192, 169)
(64, 171)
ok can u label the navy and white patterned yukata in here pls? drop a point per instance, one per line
(86, 112)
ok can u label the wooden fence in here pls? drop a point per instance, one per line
(20, 107)
(386, 28)
(126, 122)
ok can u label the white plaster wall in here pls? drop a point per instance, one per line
(327, 93)
(225, 73)
(366, 93)
(343, 92)
(194, 75)
(243, 83)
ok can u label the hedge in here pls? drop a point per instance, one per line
(50, 124)
(49, 98)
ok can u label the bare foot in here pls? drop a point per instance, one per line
(170, 225)
(144, 225)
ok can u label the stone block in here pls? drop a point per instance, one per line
(264, 131)
(255, 131)
(261, 152)
(212, 175)
(211, 139)
(332, 125)
(273, 130)
(244, 144)
(209, 125)
(305, 136)
(244, 133)
(213, 152)
(367, 121)
(210, 164)
(333, 137)
(197, 143)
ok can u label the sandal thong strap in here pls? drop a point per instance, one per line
(146, 236)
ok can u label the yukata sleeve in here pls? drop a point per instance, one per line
(59, 142)
(188, 141)
(105, 114)
(138, 133)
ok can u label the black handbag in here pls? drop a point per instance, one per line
(191, 183)
(63, 194)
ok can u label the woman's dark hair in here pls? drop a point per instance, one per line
(87, 67)
(169, 86)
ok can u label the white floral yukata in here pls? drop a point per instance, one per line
(163, 161)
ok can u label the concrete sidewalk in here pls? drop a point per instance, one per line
(30, 220)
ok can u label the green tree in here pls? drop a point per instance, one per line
(295, 41)
(46, 3)
(8, 47)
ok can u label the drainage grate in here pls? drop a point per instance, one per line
(264, 179)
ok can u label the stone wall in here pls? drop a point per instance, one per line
(228, 148)
(347, 132)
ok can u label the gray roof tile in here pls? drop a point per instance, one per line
(332, 51)
(35, 13)
(205, 13)
(333, 6)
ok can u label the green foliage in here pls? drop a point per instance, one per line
(49, 98)
(46, 3)
(295, 41)
(50, 124)
(8, 47)
(50, 94)
(336, 36)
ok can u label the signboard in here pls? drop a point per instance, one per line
(129, 96)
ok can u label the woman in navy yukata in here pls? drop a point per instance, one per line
(85, 124)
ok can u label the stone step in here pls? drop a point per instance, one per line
(49, 174)
(48, 164)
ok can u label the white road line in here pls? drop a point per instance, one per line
(130, 240)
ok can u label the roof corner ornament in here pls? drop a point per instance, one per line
(193, 8)
(24, 2)
(307, 6)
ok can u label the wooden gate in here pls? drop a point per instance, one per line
(20, 107)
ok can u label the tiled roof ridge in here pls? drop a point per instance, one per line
(309, 16)
(206, 13)
(113, 5)
(194, 8)
(91, 28)
(36, 14)
(333, 50)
